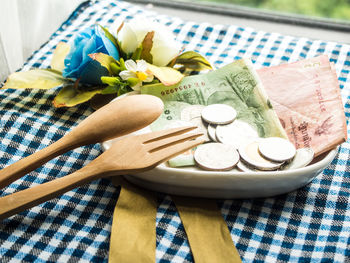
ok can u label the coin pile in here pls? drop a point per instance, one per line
(232, 143)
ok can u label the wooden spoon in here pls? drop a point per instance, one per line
(115, 119)
(132, 154)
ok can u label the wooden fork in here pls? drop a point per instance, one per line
(115, 119)
(126, 156)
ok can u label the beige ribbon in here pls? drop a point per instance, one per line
(207, 232)
(133, 235)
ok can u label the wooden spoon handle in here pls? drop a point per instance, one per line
(114, 119)
(19, 201)
(20, 168)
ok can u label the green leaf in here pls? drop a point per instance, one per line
(137, 54)
(119, 90)
(110, 90)
(122, 64)
(35, 79)
(147, 45)
(168, 76)
(114, 40)
(115, 68)
(124, 89)
(61, 51)
(110, 36)
(105, 60)
(69, 96)
(192, 60)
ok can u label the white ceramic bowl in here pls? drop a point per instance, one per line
(191, 181)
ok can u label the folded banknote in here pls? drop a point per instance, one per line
(306, 97)
(235, 84)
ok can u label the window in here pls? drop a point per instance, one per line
(323, 14)
(334, 9)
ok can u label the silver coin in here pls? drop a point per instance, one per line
(192, 111)
(250, 154)
(216, 156)
(202, 126)
(212, 132)
(219, 114)
(302, 158)
(236, 133)
(245, 168)
(277, 149)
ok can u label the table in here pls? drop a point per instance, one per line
(311, 224)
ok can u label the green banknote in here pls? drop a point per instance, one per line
(235, 84)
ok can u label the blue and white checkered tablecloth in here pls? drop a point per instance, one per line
(311, 224)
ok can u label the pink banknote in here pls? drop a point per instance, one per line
(306, 97)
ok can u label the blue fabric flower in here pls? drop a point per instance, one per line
(79, 65)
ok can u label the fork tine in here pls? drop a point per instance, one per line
(157, 135)
(168, 152)
(162, 142)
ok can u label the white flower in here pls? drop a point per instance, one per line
(136, 71)
(164, 48)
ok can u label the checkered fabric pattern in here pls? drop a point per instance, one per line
(311, 224)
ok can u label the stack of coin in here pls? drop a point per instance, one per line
(273, 153)
(265, 154)
(234, 143)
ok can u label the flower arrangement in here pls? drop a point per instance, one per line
(97, 61)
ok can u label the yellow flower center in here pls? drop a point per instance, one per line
(141, 75)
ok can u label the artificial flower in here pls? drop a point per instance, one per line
(78, 65)
(136, 73)
(164, 48)
(99, 63)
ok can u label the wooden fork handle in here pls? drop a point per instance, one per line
(19, 201)
(20, 168)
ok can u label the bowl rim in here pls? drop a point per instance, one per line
(321, 164)
(180, 171)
